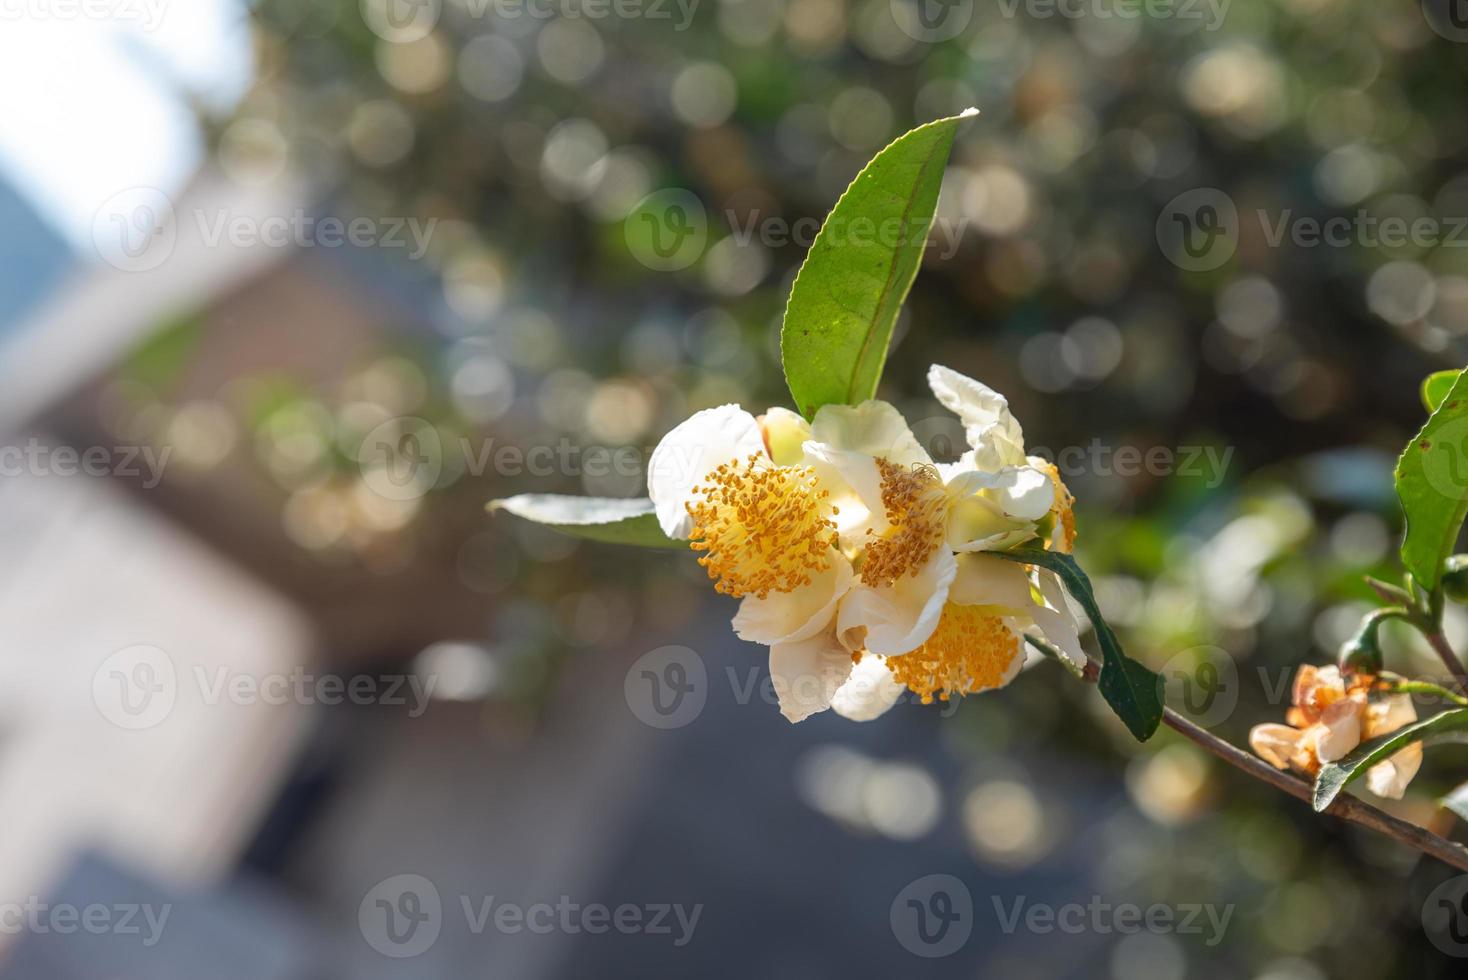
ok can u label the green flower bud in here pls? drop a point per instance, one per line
(1455, 578)
(1361, 653)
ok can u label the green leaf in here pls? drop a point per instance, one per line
(1435, 388)
(1334, 776)
(612, 520)
(1130, 688)
(1432, 484)
(845, 301)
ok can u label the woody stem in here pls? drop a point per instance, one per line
(1348, 808)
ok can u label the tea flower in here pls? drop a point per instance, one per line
(858, 559)
(1330, 716)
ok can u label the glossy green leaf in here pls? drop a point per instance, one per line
(1334, 776)
(845, 300)
(1435, 388)
(612, 520)
(1432, 485)
(1132, 690)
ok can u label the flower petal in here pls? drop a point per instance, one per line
(1389, 778)
(1057, 621)
(897, 618)
(1339, 730)
(991, 430)
(1274, 743)
(869, 692)
(785, 433)
(1021, 492)
(788, 617)
(983, 580)
(808, 673)
(1388, 714)
(691, 451)
(873, 428)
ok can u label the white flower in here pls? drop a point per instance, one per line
(857, 559)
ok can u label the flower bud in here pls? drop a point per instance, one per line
(1455, 578)
(1361, 654)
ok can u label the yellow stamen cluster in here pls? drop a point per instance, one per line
(762, 528)
(1064, 510)
(917, 512)
(970, 651)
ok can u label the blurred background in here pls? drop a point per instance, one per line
(291, 289)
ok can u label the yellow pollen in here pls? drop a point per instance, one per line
(970, 651)
(1064, 510)
(917, 512)
(761, 527)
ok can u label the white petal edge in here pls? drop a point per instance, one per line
(789, 617)
(807, 674)
(691, 451)
(869, 692)
(900, 617)
(991, 430)
(873, 428)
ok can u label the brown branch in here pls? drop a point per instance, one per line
(1348, 808)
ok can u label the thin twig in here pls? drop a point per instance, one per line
(1346, 807)
(1439, 643)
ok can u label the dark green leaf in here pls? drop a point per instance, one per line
(1334, 776)
(612, 520)
(1130, 688)
(1432, 484)
(839, 318)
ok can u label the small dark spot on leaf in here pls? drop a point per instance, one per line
(1452, 404)
(1426, 444)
